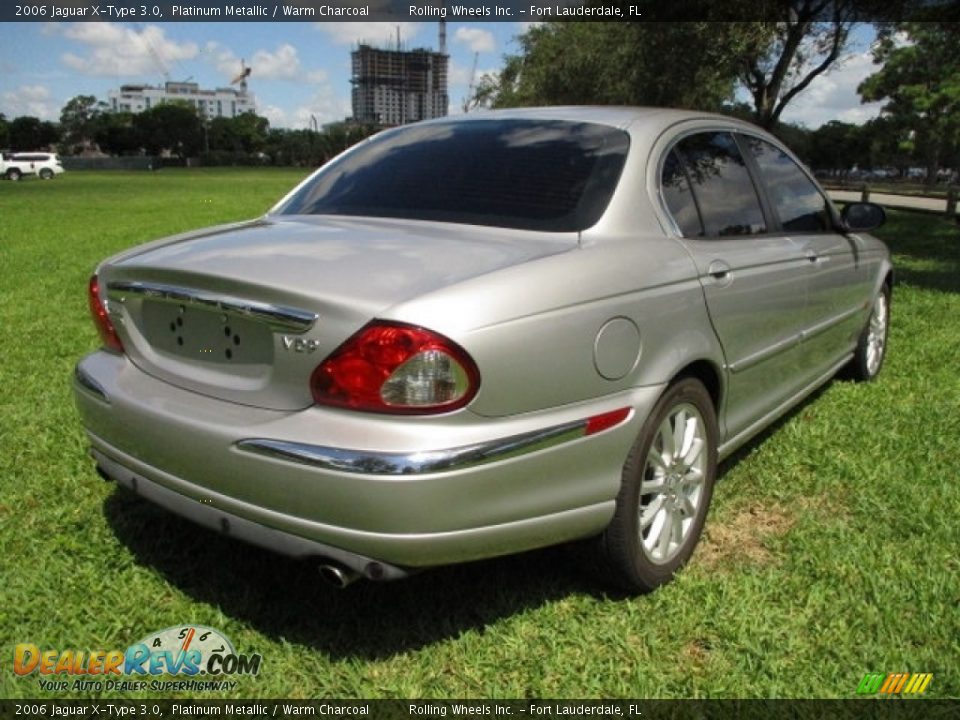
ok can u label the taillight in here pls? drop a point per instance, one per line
(396, 368)
(108, 334)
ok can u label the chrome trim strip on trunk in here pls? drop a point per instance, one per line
(85, 381)
(279, 317)
(415, 463)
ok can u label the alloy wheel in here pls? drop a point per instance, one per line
(673, 481)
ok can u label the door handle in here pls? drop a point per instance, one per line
(718, 269)
(812, 255)
(720, 272)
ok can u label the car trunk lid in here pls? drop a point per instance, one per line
(245, 313)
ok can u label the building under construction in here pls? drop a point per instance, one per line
(395, 87)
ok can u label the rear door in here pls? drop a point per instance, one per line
(838, 283)
(754, 279)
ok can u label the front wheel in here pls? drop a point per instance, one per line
(46, 174)
(872, 346)
(13, 174)
(665, 491)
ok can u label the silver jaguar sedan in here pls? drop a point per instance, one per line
(480, 335)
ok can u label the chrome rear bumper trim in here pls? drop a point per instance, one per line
(415, 463)
(278, 317)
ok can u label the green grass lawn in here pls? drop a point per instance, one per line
(831, 548)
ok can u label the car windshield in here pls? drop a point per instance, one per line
(528, 174)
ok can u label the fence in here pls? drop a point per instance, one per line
(120, 163)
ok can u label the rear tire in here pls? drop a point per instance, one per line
(46, 174)
(665, 491)
(13, 174)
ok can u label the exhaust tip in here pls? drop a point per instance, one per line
(338, 576)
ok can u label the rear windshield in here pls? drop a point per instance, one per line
(535, 175)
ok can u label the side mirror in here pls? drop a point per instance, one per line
(863, 216)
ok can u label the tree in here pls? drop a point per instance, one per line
(688, 64)
(308, 148)
(298, 148)
(4, 131)
(30, 133)
(251, 131)
(790, 54)
(221, 136)
(173, 127)
(245, 133)
(338, 136)
(839, 146)
(678, 64)
(78, 121)
(114, 133)
(886, 139)
(921, 82)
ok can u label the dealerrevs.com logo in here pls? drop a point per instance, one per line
(185, 651)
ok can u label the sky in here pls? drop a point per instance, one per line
(300, 70)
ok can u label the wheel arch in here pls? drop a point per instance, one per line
(708, 374)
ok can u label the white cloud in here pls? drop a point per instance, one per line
(283, 63)
(476, 39)
(459, 84)
(527, 24)
(280, 64)
(325, 106)
(833, 95)
(379, 34)
(459, 75)
(33, 100)
(116, 49)
(276, 115)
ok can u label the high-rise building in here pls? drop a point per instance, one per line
(222, 102)
(395, 87)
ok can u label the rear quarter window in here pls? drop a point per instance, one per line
(679, 198)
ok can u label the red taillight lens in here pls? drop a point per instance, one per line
(395, 368)
(108, 334)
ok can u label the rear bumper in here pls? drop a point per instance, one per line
(212, 516)
(378, 494)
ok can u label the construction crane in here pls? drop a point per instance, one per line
(154, 53)
(242, 77)
(470, 87)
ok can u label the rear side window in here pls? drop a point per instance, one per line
(537, 175)
(721, 185)
(22, 157)
(798, 202)
(679, 198)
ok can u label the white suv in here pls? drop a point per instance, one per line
(13, 166)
